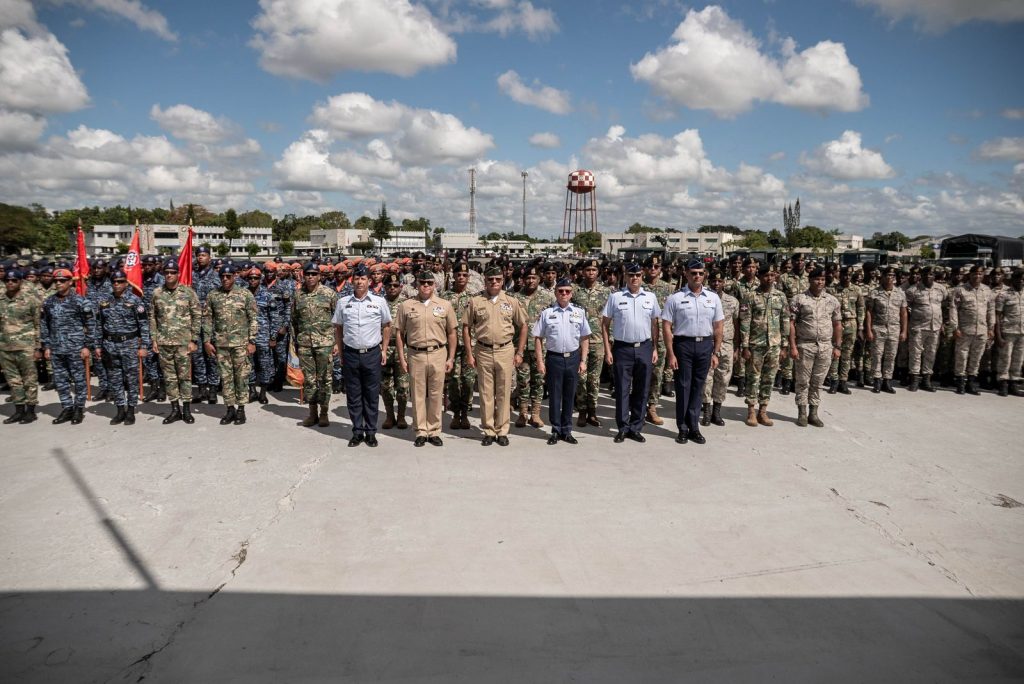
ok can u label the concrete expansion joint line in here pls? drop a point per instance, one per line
(284, 505)
(897, 540)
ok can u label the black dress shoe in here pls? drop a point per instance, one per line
(681, 438)
(553, 439)
(488, 440)
(502, 440)
(371, 440)
(435, 440)
(570, 439)
(636, 437)
(420, 441)
(355, 441)
(620, 437)
(696, 437)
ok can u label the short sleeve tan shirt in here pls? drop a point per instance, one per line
(425, 324)
(496, 322)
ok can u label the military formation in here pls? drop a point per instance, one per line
(429, 335)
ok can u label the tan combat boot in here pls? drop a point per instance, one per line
(400, 423)
(535, 419)
(324, 421)
(521, 420)
(652, 416)
(762, 416)
(310, 420)
(751, 416)
(389, 419)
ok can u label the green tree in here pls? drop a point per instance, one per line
(493, 236)
(252, 249)
(721, 229)
(256, 219)
(584, 242)
(890, 241)
(122, 247)
(222, 249)
(811, 237)
(17, 228)
(639, 228)
(382, 226)
(232, 230)
(362, 246)
(334, 220)
(754, 239)
(364, 223)
(927, 252)
(287, 247)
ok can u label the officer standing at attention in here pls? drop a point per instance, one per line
(124, 327)
(1009, 331)
(394, 381)
(631, 319)
(494, 319)
(591, 296)
(886, 324)
(175, 322)
(564, 332)
(927, 303)
(68, 332)
(764, 326)
(694, 319)
(661, 289)
(19, 346)
(717, 384)
(815, 339)
(230, 326)
(426, 326)
(204, 281)
(972, 312)
(462, 379)
(313, 307)
(362, 331)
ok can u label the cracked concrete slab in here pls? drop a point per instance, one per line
(886, 542)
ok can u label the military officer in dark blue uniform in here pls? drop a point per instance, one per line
(205, 372)
(68, 332)
(124, 327)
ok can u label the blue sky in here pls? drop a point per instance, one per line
(879, 114)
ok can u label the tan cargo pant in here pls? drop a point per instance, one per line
(810, 370)
(495, 369)
(923, 345)
(883, 352)
(967, 354)
(426, 378)
(717, 384)
(1011, 356)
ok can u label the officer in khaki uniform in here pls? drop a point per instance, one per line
(926, 304)
(427, 329)
(1010, 335)
(972, 313)
(815, 339)
(494, 319)
(886, 324)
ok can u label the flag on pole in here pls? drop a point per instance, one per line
(81, 270)
(133, 263)
(185, 260)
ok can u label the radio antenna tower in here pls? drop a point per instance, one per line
(472, 201)
(524, 201)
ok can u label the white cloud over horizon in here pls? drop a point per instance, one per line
(937, 16)
(539, 95)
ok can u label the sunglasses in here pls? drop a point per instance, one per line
(634, 275)
(564, 291)
(120, 282)
(62, 280)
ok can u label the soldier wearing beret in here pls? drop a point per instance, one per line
(312, 313)
(815, 336)
(591, 296)
(230, 326)
(205, 280)
(529, 380)
(68, 332)
(175, 323)
(394, 381)
(462, 378)
(19, 346)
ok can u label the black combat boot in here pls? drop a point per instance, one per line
(161, 390)
(887, 387)
(211, 394)
(843, 388)
(29, 416)
(151, 393)
(118, 417)
(262, 397)
(1017, 389)
(716, 414)
(252, 394)
(741, 387)
(186, 413)
(668, 387)
(784, 391)
(959, 384)
(777, 382)
(972, 385)
(200, 393)
(860, 378)
(129, 415)
(915, 381)
(876, 386)
(19, 411)
(832, 383)
(705, 414)
(175, 415)
(240, 415)
(65, 416)
(229, 416)
(926, 383)
(1004, 388)
(77, 415)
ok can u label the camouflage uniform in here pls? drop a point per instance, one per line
(591, 300)
(717, 383)
(764, 323)
(791, 285)
(972, 312)
(925, 308)
(885, 306)
(851, 303)
(151, 364)
(19, 341)
(530, 382)
(462, 379)
(813, 319)
(125, 329)
(67, 327)
(175, 319)
(229, 323)
(394, 384)
(204, 366)
(267, 313)
(96, 288)
(740, 288)
(312, 313)
(1009, 307)
(282, 289)
(661, 290)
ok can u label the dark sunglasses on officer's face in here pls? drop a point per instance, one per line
(120, 282)
(62, 280)
(254, 277)
(569, 291)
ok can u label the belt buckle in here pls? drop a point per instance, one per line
(364, 350)
(637, 344)
(566, 355)
(698, 339)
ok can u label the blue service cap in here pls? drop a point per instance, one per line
(563, 282)
(360, 270)
(202, 249)
(311, 268)
(119, 275)
(171, 265)
(13, 274)
(633, 267)
(694, 263)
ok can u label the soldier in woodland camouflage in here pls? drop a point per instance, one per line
(230, 327)
(312, 314)
(175, 323)
(851, 303)
(462, 378)
(19, 346)
(591, 296)
(661, 289)
(394, 382)
(764, 322)
(530, 381)
(717, 383)
(68, 332)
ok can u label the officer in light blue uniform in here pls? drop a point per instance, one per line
(362, 329)
(562, 340)
(631, 319)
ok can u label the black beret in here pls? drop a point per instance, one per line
(311, 268)
(531, 271)
(392, 279)
(425, 276)
(171, 265)
(816, 272)
(589, 263)
(13, 274)
(493, 271)
(460, 267)
(652, 261)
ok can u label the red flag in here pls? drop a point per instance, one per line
(81, 271)
(133, 264)
(185, 261)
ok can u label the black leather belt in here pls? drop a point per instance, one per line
(121, 338)
(695, 339)
(495, 346)
(619, 343)
(565, 355)
(426, 349)
(362, 350)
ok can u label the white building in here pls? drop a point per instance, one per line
(698, 243)
(845, 243)
(169, 238)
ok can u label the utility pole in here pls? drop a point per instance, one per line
(524, 202)
(472, 201)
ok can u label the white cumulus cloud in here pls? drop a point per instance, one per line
(936, 16)
(358, 114)
(541, 96)
(316, 39)
(145, 18)
(188, 123)
(19, 130)
(1011, 149)
(715, 63)
(847, 159)
(535, 22)
(306, 165)
(545, 140)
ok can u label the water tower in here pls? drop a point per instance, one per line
(580, 205)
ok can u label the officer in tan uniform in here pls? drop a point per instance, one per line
(886, 325)
(494, 318)
(427, 329)
(972, 313)
(815, 340)
(1010, 335)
